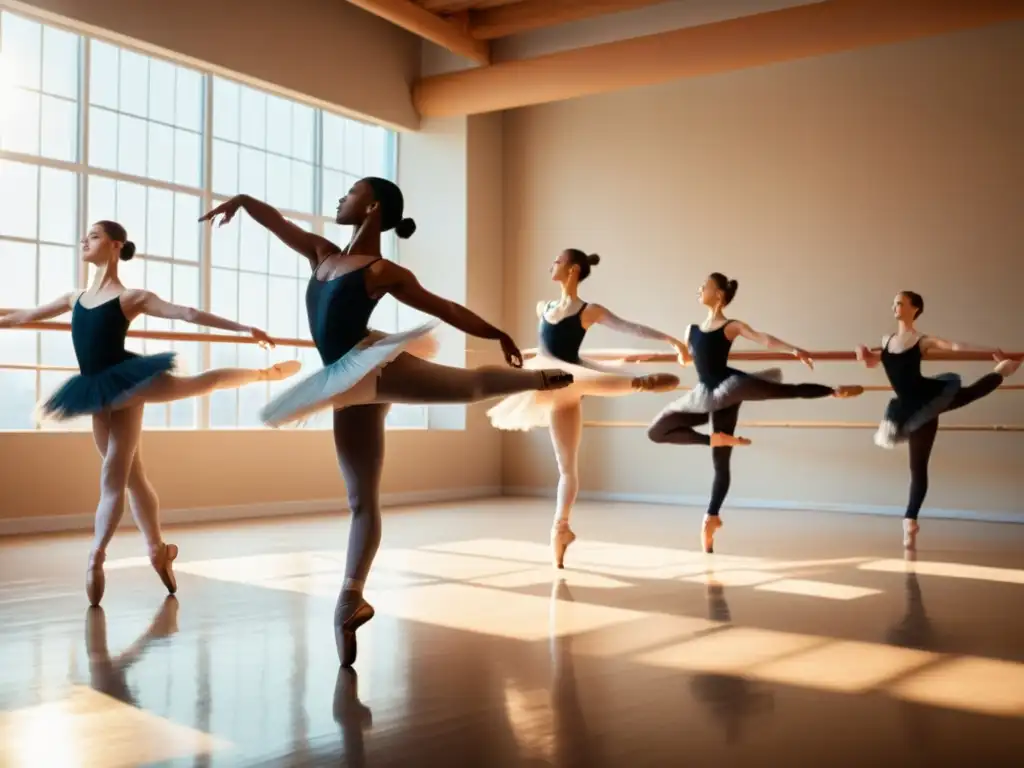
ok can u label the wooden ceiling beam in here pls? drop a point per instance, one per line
(751, 41)
(505, 20)
(421, 22)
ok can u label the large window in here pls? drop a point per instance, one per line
(91, 130)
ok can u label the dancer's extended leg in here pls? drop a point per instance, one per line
(410, 379)
(169, 388)
(566, 432)
(764, 389)
(359, 443)
(677, 428)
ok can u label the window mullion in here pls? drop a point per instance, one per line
(206, 248)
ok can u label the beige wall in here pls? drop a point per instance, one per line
(325, 49)
(823, 186)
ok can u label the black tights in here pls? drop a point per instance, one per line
(923, 439)
(677, 428)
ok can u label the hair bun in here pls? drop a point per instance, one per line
(127, 250)
(733, 285)
(405, 228)
(593, 259)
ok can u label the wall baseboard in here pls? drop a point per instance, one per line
(21, 526)
(700, 502)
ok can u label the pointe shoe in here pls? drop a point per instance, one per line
(1007, 368)
(707, 532)
(280, 371)
(854, 390)
(95, 580)
(561, 538)
(348, 617)
(554, 378)
(656, 382)
(162, 561)
(910, 529)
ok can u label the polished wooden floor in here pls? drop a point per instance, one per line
(807, 639)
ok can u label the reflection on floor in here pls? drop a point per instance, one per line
(807, 640)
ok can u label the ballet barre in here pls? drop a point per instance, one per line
(645, 357)
(826, 425)
(181, 336)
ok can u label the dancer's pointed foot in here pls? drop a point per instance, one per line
(162, 560)
(656, 382)
(707, 532)
(279, 371)
(95, 580)
(848, 391)
(910, 530)
(561, 537)
(553, 378)
(350, 613)
(1006, 368)
(722, 440)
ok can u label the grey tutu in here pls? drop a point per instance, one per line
(903, 417)
(737, 388)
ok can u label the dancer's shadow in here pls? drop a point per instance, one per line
(352, 716)
(914, 630)
(108, 674)
(731, 700)
(573, 744)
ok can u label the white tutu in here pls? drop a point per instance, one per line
(527, 410)
(736, 388)
(338, 385)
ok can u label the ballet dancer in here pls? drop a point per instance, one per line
(563, 324)
(366, 371)
(721, 390)
(913, 415)
(113, 386)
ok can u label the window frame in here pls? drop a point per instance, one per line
(205, 192)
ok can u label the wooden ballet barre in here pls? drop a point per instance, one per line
(827, 425)
(219, 338)
(822, 356)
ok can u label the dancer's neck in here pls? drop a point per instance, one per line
(715, 316)
(570, 292)
(905, 327)
(105, 277)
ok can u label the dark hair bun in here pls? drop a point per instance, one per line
(405, 228)
(732, 285)
(593, 259)
(127, 250)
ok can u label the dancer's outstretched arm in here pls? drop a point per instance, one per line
(935, 344)
(771, 342)
(870, 357)
(49, 311)
(403, 285)
(138, 302)
(313, 247)
(596, 314)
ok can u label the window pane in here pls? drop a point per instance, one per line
(159, 281)
(18, 266)
(60, 62)
(21, 41)
(252, 300)
(134, 93)
(252, 173)
(224, 294)
(254, 118)
(279, 180)
(58, 206)
(131, 145)
(155, 417)
(254, 246)
(56, 348)
(161, 90)
(302, 187)
(160, 223)
(103, 74)
(19, 122)
(188, 111)
(19, 388)
(186, 286)
(283, 260)
(353, 148)
(334, 190)
(102, 139)
(303, 128)
(284, 311)
(102, 199)
(60, 129)
(186, 227)
(224, 244)
(188, 158)
(131, 212)
(161, 152)
(18, 347)
(225, 109)
(183, 414)
(279, 125)
(223, 406)
(58, 273)
(251, 399)
(225, 167)
(303, 286)
(133, 274)
(18, 199)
